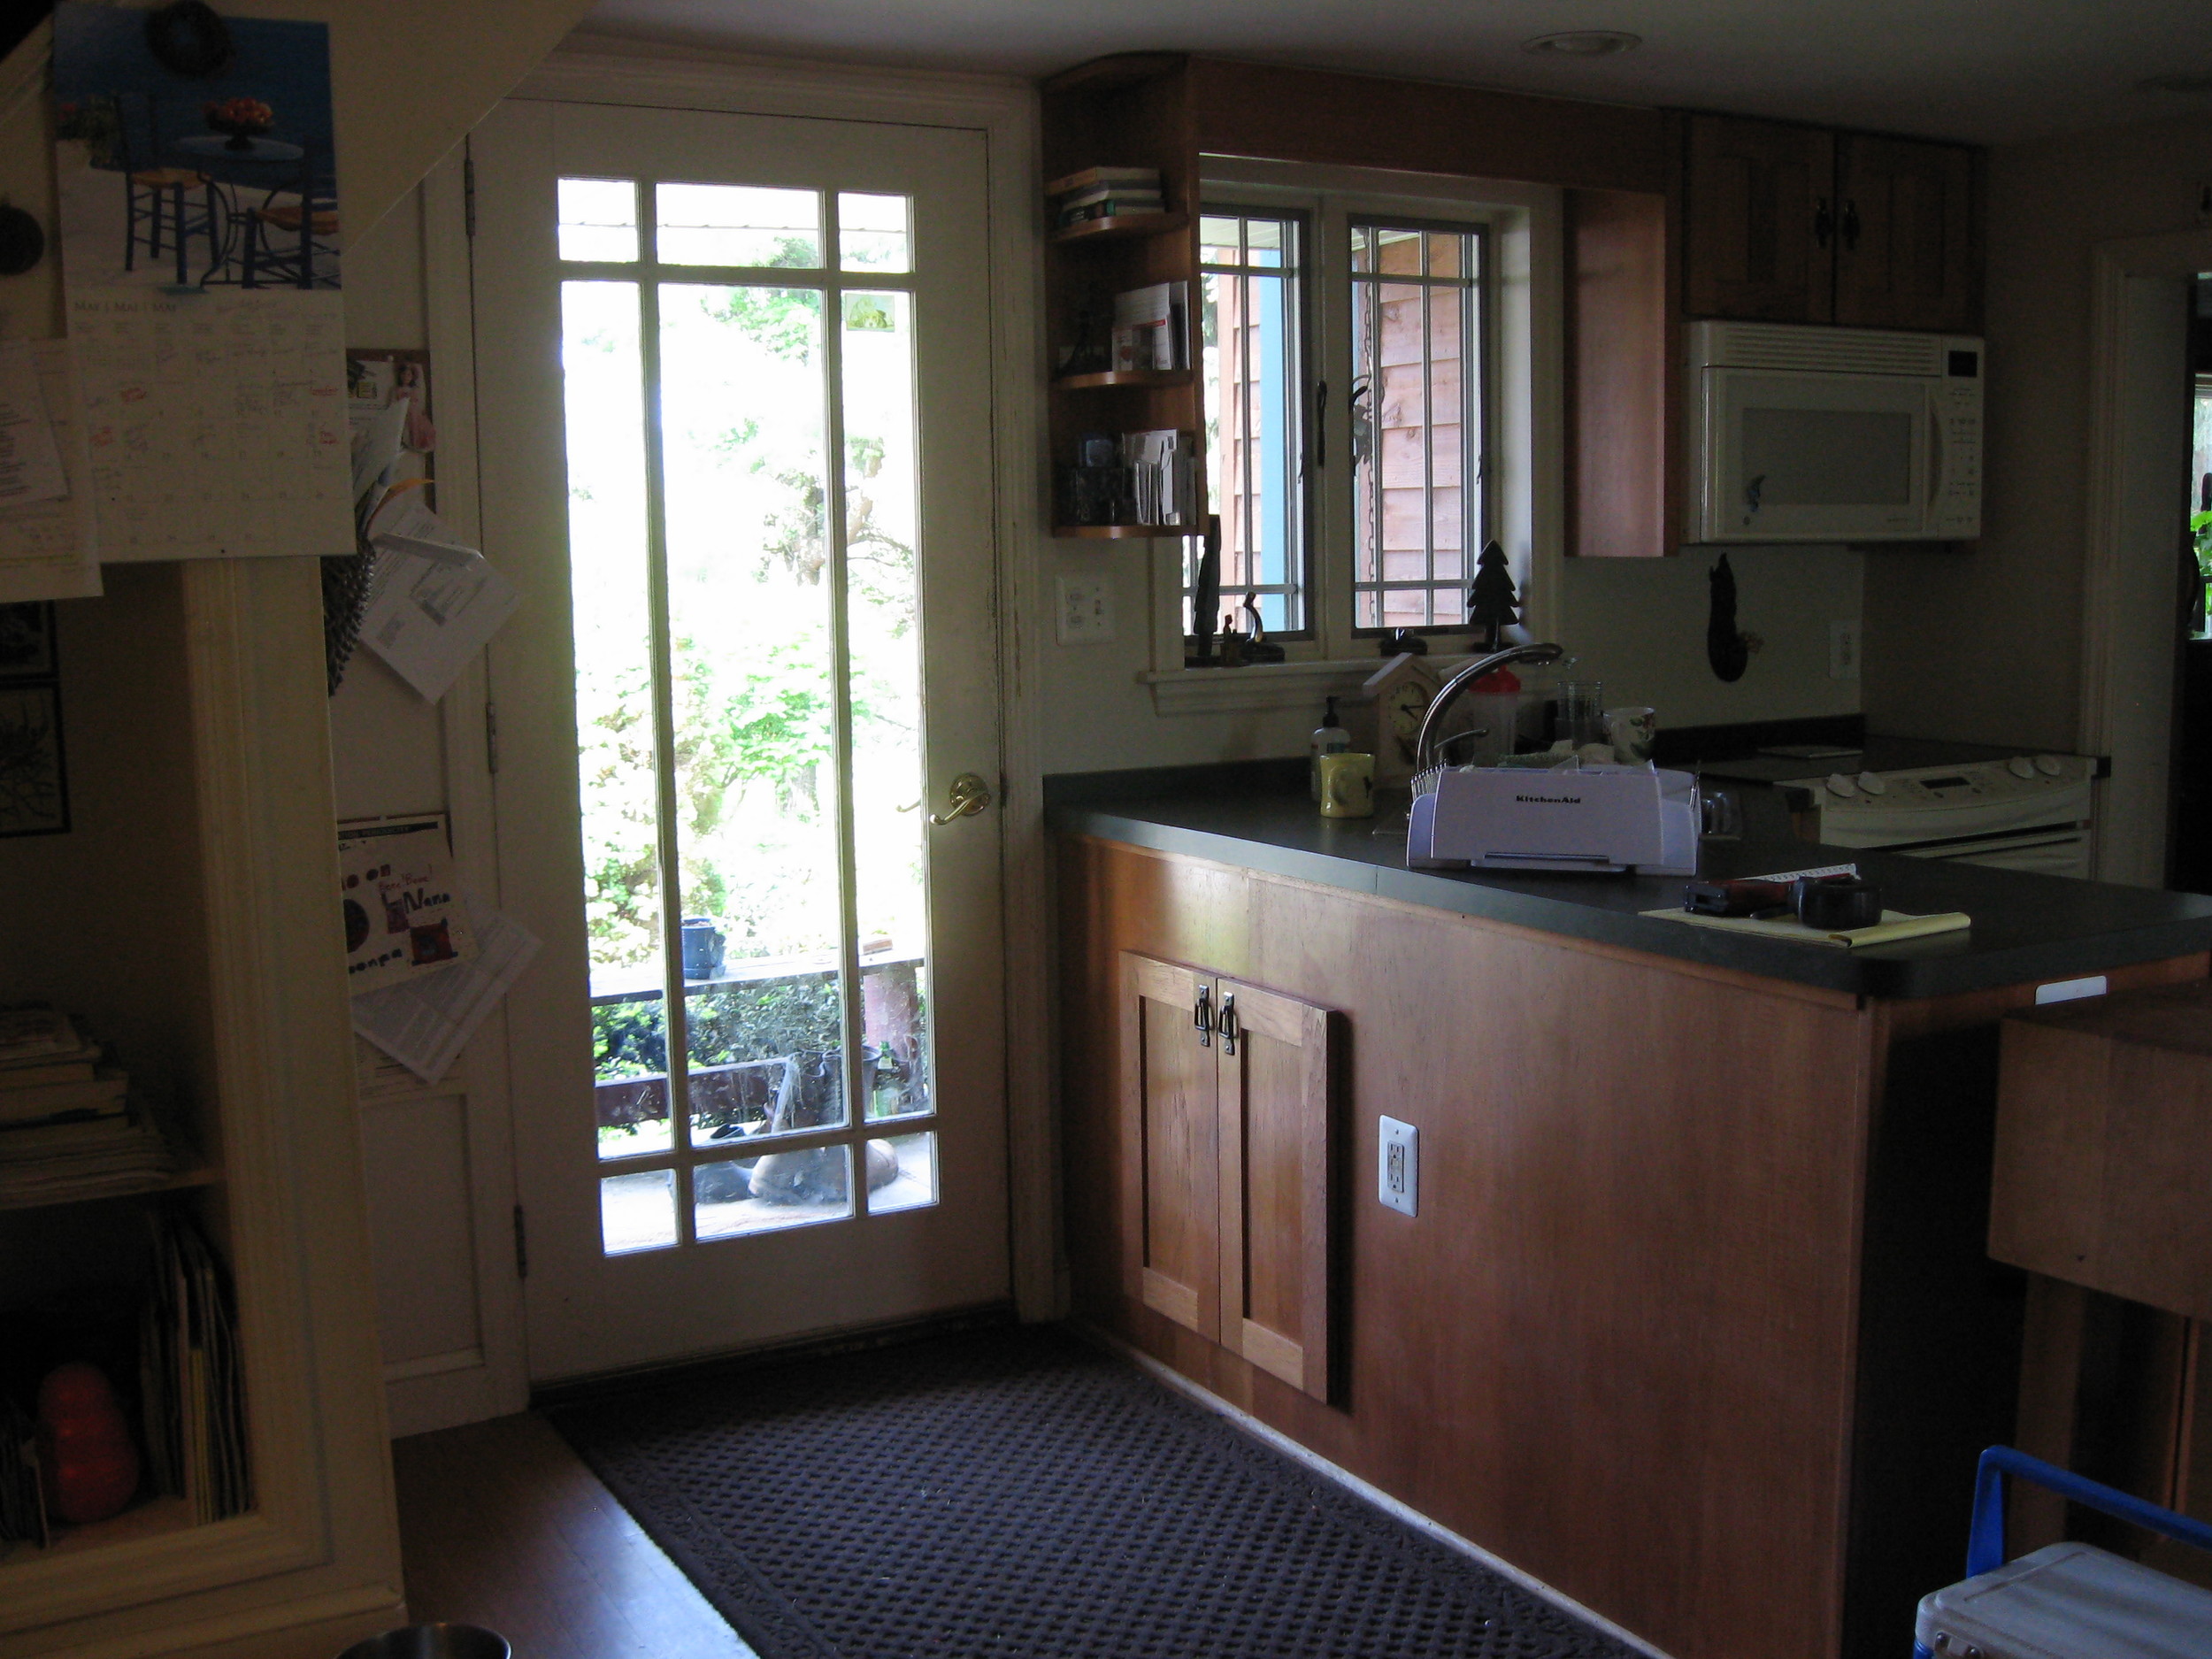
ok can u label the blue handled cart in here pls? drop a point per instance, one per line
(2068, 1601)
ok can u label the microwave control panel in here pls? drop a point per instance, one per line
(1955, 510)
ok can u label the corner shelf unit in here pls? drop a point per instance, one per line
(1130, 111)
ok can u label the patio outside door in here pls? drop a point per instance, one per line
(734, 384)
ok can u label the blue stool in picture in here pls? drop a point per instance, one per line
(2068, 1601)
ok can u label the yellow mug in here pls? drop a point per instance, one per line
(1348, 785)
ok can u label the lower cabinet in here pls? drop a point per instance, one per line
(1226, 1119)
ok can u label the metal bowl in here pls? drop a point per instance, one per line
(433, 1641)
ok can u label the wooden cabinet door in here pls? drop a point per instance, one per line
(1274, 1096)
(1905, 238)
(1759, 234)
(1170, 1144)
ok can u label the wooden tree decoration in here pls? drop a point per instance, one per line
(1492, 603)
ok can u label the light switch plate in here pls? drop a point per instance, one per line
(1398, 1170)
(1843, 650)
(1084, 615)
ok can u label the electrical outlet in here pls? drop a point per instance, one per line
(1398, 1172)
(1843, 650)
(1085, 612)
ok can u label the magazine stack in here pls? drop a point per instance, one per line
(69, 1129)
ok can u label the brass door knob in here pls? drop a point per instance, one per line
(969, 794)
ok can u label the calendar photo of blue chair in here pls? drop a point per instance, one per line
(2069, 1600)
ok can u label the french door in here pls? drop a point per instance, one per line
(733, 396)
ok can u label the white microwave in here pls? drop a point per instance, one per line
(1833, 434)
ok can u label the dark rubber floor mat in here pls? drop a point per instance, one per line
(1017, 1492)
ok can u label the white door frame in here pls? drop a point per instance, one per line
(605, 70)
(2138, 461)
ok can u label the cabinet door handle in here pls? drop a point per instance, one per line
(1823, 223)
(1850, 227)
(1202, 1015)
(1226, 1023)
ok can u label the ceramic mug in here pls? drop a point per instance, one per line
(1632, 731)
(1348, 785)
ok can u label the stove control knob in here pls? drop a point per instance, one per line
(2049, 765)
(1873, 783)
(2021, 766)
(1840, 785)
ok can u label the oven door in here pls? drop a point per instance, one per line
(1812, 458)
(2059, 851)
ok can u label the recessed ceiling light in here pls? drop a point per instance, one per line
(2184, 82)
(1583, 43)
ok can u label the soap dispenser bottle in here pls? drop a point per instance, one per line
(1328, 738)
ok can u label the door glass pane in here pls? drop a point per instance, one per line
(902, 1173)
(871, 233)
(884, 623)
(737, 225)
(637, 1212)
(598, 219)
(787, 1188)
(752, 675)
(603, 390)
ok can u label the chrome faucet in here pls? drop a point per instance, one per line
(1425, 745)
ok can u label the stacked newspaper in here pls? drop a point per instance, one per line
(190, 1388)
(1160, 476)
(69, 1129)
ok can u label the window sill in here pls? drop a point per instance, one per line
(1267, 685)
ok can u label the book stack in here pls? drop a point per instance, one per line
(1160, 476)
(1152, 327)
(1105, 193)
(190, 1389)
(68, 1128)
(22, 1502)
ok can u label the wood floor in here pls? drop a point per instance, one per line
(501, 1526)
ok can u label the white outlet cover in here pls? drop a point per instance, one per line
(1398, 1166)
(1085, 614)
(1843, 650)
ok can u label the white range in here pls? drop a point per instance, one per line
(2030, 812)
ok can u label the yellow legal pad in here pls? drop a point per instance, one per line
(1894, 925)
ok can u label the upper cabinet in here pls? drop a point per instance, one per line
(1799, 225)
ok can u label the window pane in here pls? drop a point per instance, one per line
(883, 620)
(742, 419)
(602, 377)
(1217, 241)
(637, 1212)
(731, 1197)
(902, 1173)
(738, 224)
(598, 218)
(1255, 396)
(1415, 426)
(871, 233)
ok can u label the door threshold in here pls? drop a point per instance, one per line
(816, 1345)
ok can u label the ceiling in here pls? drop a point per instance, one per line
(1990, 71)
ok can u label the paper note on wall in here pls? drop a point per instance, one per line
(402, 919)
(425, 1024)
(46, 540)
(215, 421)
(427, 618)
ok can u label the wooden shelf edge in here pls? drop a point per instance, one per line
(1121, 225)
(1119, 531)
(150, 1517)
(200, 1175)
(1122, 377)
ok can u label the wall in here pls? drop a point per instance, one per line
(1984, 643)
(1638, 625)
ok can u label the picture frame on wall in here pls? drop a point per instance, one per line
(26, 642)
(34, 777)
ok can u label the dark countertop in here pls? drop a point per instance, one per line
(1257, 816)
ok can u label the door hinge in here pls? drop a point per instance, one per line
(468, 196)
(491, 735)
(522, 1245)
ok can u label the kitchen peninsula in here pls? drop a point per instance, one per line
(1692, 1319)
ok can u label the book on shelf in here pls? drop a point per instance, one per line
(22, 1498)
(32, 1034)
(190, 1386)
(1098, 177)
(68, 1163)
(1152, 327)
(1110, 207)
(100, 1096)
